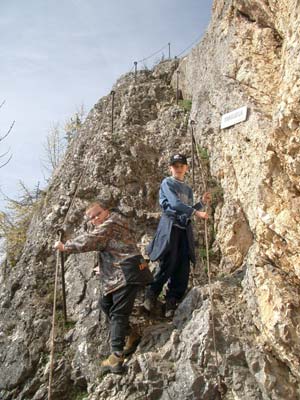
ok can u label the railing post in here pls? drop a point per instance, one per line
(177, 85)
(176, 61)
(193, 153)
(112, 109)
(135, 69)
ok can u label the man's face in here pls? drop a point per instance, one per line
(178, 170)
(97, 215)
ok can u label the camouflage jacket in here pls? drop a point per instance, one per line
(120, 260)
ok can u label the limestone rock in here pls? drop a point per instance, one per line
(242, 329)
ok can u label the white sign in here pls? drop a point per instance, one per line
(234, 117)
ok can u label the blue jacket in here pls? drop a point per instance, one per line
(175, 199)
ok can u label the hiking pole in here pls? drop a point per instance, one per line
(59, 257)
(59, 261)
(211, 300)
(53, 327)
(221, 386)
(193, 144)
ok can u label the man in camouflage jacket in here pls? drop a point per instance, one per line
(122, 270)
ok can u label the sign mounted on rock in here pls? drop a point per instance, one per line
(234, 117)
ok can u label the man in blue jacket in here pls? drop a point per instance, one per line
(173, 244)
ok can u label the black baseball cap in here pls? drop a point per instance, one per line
(178, 158)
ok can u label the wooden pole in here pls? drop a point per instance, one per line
(52, 341)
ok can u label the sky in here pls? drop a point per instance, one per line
(60, 54)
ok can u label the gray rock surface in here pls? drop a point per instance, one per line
(249, 56)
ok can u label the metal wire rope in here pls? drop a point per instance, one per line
(189, 46)
(153, 54)
(165, 46)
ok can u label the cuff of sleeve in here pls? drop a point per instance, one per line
(68, 247)
(199, 206)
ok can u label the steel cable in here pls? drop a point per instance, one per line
(153, 54)
(189, 46)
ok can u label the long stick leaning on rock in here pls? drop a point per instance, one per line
(221, 386)
(60, 261)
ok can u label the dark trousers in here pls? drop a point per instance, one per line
(118, 306)
(174, 267)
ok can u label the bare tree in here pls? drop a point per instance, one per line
(73, 124)
(58, 140)
(5, 157)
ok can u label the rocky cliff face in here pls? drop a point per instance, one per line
(248, 57)
(248, 61)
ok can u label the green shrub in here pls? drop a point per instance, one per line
(82, 395)
(202, 153)
(203, 255)
(216, 191)
(186, 105)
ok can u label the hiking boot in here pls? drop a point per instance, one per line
(150, 300)
(170, 307)
(113, 364)
(132, 342)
